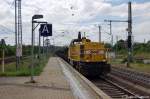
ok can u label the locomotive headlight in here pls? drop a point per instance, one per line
(101, 52)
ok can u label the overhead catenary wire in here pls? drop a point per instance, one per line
(6, 29)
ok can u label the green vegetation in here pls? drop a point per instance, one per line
(141, 67)
(141, 51)
(24, 69)
(26, 50)
(136, 66)
(10, 50)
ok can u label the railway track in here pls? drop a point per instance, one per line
(114, 90)
(12, 59)
(133, 76)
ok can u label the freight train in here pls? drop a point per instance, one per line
(88, 57)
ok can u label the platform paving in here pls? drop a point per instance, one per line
(51, 84)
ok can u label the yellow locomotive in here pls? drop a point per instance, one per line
(89, 58)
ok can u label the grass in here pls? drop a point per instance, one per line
(146, 55)
(135, 65)
(24, 68)
(141, 67)
(115, 61)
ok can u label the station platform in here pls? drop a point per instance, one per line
(51, 84)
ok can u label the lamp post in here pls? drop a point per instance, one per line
(3, 53)
(32, 50)
(39, 49)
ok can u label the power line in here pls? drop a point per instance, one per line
(3, 28)
(129, 29)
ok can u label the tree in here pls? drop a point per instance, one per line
(120, 47)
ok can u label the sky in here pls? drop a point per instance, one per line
(71, 16)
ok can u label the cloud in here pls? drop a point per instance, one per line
(78, 15)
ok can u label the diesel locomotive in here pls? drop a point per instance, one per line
(88, 57)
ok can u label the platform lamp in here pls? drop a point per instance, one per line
(32, 50)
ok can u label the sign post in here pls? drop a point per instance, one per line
(46, 30)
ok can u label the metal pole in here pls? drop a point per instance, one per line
(99, 33)
(112, 39)
(21, 32)
(16, 33)
(39, 51)
(116, 45)
(32, 52)
(3, 61)
(111, 33)
(84, 34)
(43, 45)
(53, 45)
(47, 46)
(129, 33)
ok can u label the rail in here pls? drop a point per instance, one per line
(136, 77)
(12, 59)
(113, 89)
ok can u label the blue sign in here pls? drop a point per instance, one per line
(46, 30)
